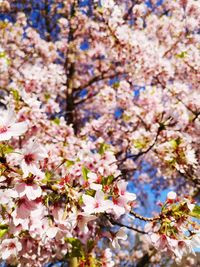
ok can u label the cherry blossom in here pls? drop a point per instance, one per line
(107, 258)
(82, 219)
(99, 101)
(10, 248)
(120, 235)
(121, 186)
(9, 127)
(96, 204)
(32, 155)
(31, 191)
(172, 195)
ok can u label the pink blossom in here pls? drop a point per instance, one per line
(31, 191)
(120, 235)
(7, 195)
(28, 212)
(32, 155)
(8, 125)
(64, 220)
(107, 258)
(122, 185)
(162, 242)
(94, 181)
(181, 248)
(83, 219)
(171, 195)
(119, 206)
(146, 70)
(25, 207)
(96, 204)
(10, 248)
(42, 228)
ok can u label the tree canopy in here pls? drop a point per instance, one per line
(99, 132)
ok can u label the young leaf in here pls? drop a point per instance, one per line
(85, 171)
(195, 212)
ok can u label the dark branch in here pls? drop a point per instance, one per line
(127, 226)
(136, 156)
(98, 78)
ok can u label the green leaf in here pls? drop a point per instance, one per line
(85, 172)
(103, 148)
(175, 142)
(80, 201)
(69, 163)
(90, 245)
(93, 262)
(90, 192)
(71, 240)
(77, 248)
(56, 121)
(195, 212)
(183, 54)
(15, 94)
(4, 149)
(2, 54)
(3, 230)
(138, 144)
(3, 226)
(2, 170)
(116, 85)
(47, 178)
(108, 180)
(47, 96)
(51, 198)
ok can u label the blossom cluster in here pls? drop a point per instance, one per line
(81, 126)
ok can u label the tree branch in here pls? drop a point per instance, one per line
(98, 78)
(136, 156)
(146, 219)
(69, 71)
(127, 226)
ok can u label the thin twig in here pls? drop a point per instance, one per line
(142, 218)
(127, 226)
